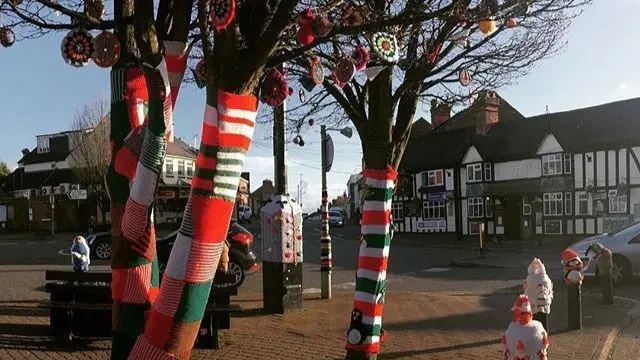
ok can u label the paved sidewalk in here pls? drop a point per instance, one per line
(627, 345)
(436, 326)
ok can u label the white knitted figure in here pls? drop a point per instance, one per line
(525, 339)
(539, 287)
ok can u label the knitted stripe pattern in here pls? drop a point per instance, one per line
(135, 278)
(174, 320)
(176, 58)
(366, 317)
(325, 239)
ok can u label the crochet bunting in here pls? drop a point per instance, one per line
(365, 329)
(175, 317)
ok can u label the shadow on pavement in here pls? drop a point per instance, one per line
(403, 354)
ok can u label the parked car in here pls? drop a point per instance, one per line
(336, 219)
(242, 260)
(244, 214)
(625, 247)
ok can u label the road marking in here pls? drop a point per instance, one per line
(347, 285)
(64, 252)
(8, 243)
(436, 270)
(311, 291)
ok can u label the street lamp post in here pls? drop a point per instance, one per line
(325, 239)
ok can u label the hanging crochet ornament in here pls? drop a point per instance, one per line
(321, 26)
(302, 96)
(77, 47)
(344, 70)
(106, 49)
(94, 8)
(317, 71)
(274, 89)
(222, 13)
(487, 26)
(385, 47)
(360, 57)
(464, 77)
(511, 22)
(305, 33)
(7, 37)
(432, 57)
(311, 122)
(201, 71)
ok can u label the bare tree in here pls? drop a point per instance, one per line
(432, 42)
(90, 155)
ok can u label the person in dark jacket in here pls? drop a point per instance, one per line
(80, 254)
(605, 264)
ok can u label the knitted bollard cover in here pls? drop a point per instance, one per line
(174, 319)
(176, 57)
(366, 317)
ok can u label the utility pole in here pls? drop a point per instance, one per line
(281, 225)
(325, 239)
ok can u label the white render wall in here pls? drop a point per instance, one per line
(520, 169)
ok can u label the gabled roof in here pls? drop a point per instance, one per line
(467, 117)
(433, 151)
(36, 179)
(33, 157)
(181, 148)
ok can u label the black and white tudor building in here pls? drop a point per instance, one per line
(569, 173)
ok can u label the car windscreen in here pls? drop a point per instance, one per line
(335, 214)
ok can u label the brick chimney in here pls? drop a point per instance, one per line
(487, 107)
(440, 112)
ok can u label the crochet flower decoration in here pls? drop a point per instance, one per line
(201, 71)
(345, 70)
(274, 89)
(106, 49)
(360, 57)
(94, 8)
(222, 13)
(385, 46)
(317, 71)
(77, 47)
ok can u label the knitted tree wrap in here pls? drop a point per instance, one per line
(174, 319)
(175, 56)
(365, 328)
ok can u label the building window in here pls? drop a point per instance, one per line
(181, 168)
(553, 227)
(43, 145)
(433, 209)
(475, 208)
(552, 164)
(433, 178)
(189, 169)
(567, 163)
(396, 210)
(487, 172)
(552, 204)
(474, 227)
(450, 209)
(489, 207)
(618, 204)
(568, 204)
(474, 173)
(582, 207)
(526, 206)
(168, 168)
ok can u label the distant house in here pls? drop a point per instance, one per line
(260, 196)
(571, 173)
(354, 196)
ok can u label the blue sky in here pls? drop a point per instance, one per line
(40, 94)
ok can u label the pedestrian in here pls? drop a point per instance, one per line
(605, 265)
(539, 289)
(80, 254)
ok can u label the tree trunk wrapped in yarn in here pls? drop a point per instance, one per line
(174, 319)
(365, 329)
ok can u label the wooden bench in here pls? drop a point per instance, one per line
(80, 306)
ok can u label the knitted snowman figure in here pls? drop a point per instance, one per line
(80, 254)
(539, 287)
(525, 339)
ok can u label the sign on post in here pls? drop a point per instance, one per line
(77, 194)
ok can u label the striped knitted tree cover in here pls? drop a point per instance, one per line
(175, 55)
(134, 268)
(366, 317)
(174, 320)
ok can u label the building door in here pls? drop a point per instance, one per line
(512, 217)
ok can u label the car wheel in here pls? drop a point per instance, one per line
(103, 250)
(238, 272)
(621, 270)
